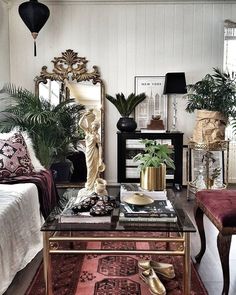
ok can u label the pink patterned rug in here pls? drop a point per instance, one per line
(93, 274)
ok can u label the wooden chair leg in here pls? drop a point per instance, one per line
(223, 245)
(198, 214)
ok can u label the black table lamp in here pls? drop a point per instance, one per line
(175, 83)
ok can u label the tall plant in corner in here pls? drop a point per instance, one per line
(125, 107)
(52, 128)
(214, 98)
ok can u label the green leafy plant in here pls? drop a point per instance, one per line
(52, 128)
(154, 155)
(215, 92)
(126, 106)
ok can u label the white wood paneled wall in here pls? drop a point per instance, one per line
(4, 44)
(125, 39)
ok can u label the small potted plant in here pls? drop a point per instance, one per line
(152, 164)
(125, 107)
(214, 98)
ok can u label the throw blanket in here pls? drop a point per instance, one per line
(48, 196)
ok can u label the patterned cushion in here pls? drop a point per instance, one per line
(14, 157)
(35, 162)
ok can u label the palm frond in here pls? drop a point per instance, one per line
(126, 106)
(51, 127)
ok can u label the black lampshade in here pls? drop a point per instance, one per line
(175, 83)
(34, 15)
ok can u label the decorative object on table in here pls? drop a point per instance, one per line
(128, 189)
(214, 98)
(125, 107)
(34, 14)
(100, 187)
(199, 182)
(53, 129)
(155, 125)
(93, 152)
(175, 83)
(155, 102)
(138, 199)
(152, 163)
(89, 209)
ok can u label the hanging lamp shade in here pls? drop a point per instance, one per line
(34, 14)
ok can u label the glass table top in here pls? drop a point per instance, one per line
(183, 224)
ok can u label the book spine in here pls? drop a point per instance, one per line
(157, 215)
(147, 219)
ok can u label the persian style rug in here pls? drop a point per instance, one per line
(93, 274)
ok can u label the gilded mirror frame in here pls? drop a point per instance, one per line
(69, 67)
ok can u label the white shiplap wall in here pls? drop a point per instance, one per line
(125, 39)
(4, 44)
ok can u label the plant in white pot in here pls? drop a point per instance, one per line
(152, 164)
(214, 98)
(125, 107)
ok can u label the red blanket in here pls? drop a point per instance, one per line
(48, 196)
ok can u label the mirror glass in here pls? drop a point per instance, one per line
(70, 79)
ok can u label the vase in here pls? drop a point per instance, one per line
(126, 124)
(153, 179)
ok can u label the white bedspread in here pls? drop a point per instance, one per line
(20, 236)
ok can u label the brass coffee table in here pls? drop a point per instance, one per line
(53, 238)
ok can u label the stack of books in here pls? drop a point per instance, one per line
(67, 216)
(128, 189)
(158, 211)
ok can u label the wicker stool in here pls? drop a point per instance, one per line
(220, 207)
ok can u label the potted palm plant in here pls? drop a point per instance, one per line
(125, 107)
(52, 128)
(214, 98)
(152, 164)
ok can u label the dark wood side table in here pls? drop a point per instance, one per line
(127, 172)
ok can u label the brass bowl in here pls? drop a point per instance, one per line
(138, 199)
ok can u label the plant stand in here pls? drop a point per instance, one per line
(203, 161)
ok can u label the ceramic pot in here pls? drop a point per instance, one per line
(126, 124)
(153, 179)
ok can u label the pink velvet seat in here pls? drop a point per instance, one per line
(220, 207)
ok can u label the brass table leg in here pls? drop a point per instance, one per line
(187, 265)
(47, 263)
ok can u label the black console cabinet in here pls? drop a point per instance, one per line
(128, 147)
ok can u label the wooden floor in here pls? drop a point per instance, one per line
(209, 269)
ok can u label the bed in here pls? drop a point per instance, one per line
(27, 196)
(20, 222)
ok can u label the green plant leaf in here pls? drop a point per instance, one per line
(126, 106)
(154, 155)
(52, 128)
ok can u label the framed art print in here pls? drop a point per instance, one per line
(155, 103)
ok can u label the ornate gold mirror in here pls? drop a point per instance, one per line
(70, 79)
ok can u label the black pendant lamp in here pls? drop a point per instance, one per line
(34, 15)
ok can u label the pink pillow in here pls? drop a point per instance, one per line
(14, 157)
